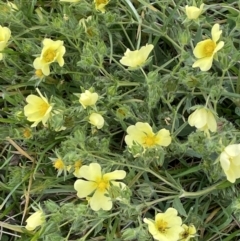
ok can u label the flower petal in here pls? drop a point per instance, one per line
(204, 64)
(218, 47)
(115, 175)
(233, 150)
(92, 172)
(99, 200)
(163, 137)
(216, 32)
(84, 188)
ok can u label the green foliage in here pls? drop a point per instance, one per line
(185, 175)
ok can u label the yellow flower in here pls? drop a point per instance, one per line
(35, 220)
(206, 49)
(59, 165)
(193, 12)
(100, 5)
(96, 120)
(230, 162)
(142, 134)
(203, 119)
(5, 35)
(38, 109)
(88, 99)
(52, 51)
(77, 166)
(97, 184)
(166, 227)
(136, 58)
(188, 233)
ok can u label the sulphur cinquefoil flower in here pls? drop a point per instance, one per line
(35, 220)
(188, 233)
(142, 134)
(38, 109)
(166, 227)
(52, 51)
(96, 120)
(206, 49)
(100, 5)
(97, 184)
(193, 12)
(88, 99)
(230, 162)
(203, 119)
(5, 35)
(136, 58)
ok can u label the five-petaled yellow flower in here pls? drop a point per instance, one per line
(230, 162)
(52, 51)
(193, 12)
(38, 109)
(166, 227)
(203, 119)
(5, 34)
(88, 98)
(98, 185)
(35, 220)
(188, 233)
(206, 49)
(142, 134)
(100, 5)
(136, 58)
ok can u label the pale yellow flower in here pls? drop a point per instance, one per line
(136, 58)
(142, 134)
(96, 120)
(52, 51)
(97, 184)
(35, 220)
(5, 34)
(100, 5)
(38, 109)
(230, 162)
(166, 227)
(206, 49)
(193, 12)
(88, 98)
(188, 233)
(203, 119)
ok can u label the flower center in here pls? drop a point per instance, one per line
(162, 226)
(102, 185)
(149, 141)
(58, 164)
(49, 55)
(209, 48)
(43, 108)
